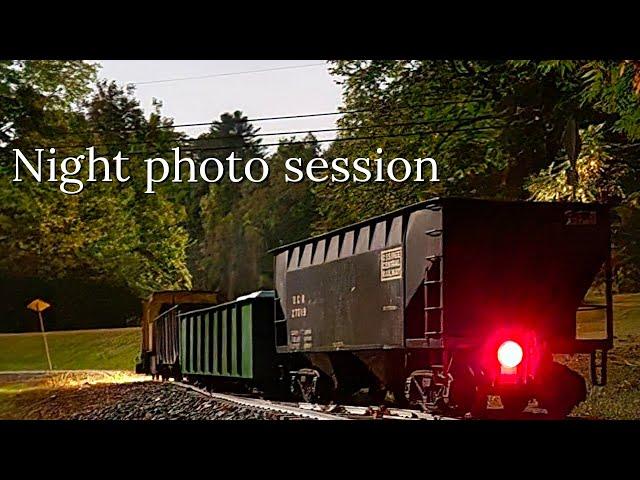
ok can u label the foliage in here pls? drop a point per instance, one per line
(110, 231)
(29, 87)
(541, 130)
(599, 175)
(538, 130)
(153, 256)
(489, 125)
(213, 209)
(242, 221)
(614, 87)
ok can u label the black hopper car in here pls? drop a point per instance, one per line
(438, 305)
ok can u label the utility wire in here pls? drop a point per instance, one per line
(339, 139)
(361, 110)
(345, 139)
(283, 117)
(298, 132)
(226, 74)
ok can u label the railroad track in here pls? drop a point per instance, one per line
(313, 411)
(261, 404)
(289, 410)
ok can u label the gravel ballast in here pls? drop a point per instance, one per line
(138, 400)
(164, 401)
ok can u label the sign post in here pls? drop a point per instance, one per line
(39, 306)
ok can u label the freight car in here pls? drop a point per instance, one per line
(448, 301)
(232, 341)
(157, 310)
(439, 304)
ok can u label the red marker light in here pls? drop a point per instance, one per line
(510, 354)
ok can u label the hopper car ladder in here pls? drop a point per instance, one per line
(429, 388)
(432, 285)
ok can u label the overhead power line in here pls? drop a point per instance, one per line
(338, 139)
(298, 132)
(345, 139)
(288, 117)
(226, 74)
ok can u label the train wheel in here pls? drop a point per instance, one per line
(428, 390)
(467, 395)
(176, 372)
(561, 391)
(307, 384)
(513, 405)
(308, 394)
(479, 409)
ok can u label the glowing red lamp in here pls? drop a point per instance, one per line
(510, 354)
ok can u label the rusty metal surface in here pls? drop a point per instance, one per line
(158, 302)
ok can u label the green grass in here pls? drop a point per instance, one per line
(620, 398)
(114, 349)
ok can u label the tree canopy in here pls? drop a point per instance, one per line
(111, 231)
(528, 130)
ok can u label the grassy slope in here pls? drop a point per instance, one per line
(91, 349)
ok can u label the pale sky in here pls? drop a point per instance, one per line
(260, 94)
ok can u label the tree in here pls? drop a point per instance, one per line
(153, 255)
(216, 206)
(489, 125)
(614, 88)
(110, 231)
(38, 106)
(599, 177)
(28, 86)
(282, 212)
(241, 228)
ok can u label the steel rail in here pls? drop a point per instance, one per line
(317, 411)
(261, 404)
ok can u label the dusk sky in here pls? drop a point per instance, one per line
(307, 89)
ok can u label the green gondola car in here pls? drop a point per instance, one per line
(234, 340)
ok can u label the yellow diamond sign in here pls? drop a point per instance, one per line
(38, 305)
